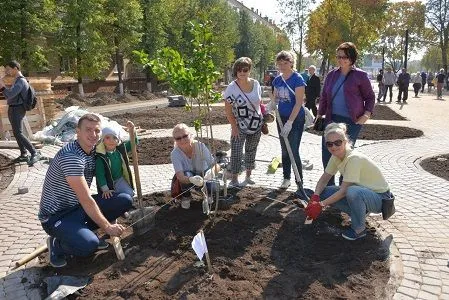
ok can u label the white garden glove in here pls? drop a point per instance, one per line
(196, 180)
(286, 128)
(209, 174)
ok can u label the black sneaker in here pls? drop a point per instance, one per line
(102, 244)
(34, 158)
(21, 158)
(57, 261)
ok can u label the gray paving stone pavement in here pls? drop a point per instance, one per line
(420, 227)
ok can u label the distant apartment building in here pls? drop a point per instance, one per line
(254, 14)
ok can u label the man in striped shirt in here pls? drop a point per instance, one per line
(68, 212)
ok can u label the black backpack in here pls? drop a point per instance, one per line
(30, 100)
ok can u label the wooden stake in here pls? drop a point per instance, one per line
(31, 256)
(118, 247)
(209, 265)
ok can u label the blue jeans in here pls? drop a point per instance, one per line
(73, 229)
(353, 131)
(15, 116)
(122, 186)
(357, 203)
(294, 138)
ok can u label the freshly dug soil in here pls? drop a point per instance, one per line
(258, 249)
(168, 117)
(437, 165)
(383, 112)
(102, 98)
(156, 151)
(7, 171)
(376, 132)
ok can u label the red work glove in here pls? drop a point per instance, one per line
(315, 198)
(313, 209)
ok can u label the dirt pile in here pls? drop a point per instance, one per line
(103, 98)
(7, 171)
(258, 249)
(156, 151)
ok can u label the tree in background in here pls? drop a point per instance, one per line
(399, 17)
(432, 59)
(123, 30)
(437, 14)
(24, 30)
(337, 21)
(166, 25)
(296, 13)
(81, 38)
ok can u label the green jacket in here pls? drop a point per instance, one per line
(103, 160)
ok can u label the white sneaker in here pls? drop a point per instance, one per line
(285, 184)
(185, 203)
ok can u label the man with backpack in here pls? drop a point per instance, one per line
(15, 97)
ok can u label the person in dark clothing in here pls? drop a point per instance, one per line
(403, 82)
(313, 89)
(440, 83)
(381, 85)
(17, 111)
(423, 80)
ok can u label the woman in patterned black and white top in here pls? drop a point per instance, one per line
(242, 103)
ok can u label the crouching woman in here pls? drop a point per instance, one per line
(192, 162)
(363, 189)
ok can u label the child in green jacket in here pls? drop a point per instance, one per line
(112, 169)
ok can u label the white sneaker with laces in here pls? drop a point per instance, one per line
(285, 184)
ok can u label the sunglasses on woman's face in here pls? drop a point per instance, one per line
(341, 57)
(337, 143)
(181, 137)
(244, 70)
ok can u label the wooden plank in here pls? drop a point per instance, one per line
(13, 145)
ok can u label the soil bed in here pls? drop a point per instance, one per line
(376, 132)
(7, 171)
(258, 249)
(168, 117)
(437, 165)
(383, 112)
(102, 98)
(156, 151)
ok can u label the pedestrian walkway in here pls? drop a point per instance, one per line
(420, 227)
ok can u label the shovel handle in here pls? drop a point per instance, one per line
(132, 138)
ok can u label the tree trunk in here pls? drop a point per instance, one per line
(78, 61)
(119, 64)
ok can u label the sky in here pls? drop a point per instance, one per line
(270, 8)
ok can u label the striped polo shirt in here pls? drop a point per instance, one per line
(57, 195)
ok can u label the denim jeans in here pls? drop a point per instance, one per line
(122, 186)
(357, 203)
(353, 131)
(15, 116)
(73, 229)
(294, 138)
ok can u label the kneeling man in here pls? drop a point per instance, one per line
(68, 212)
